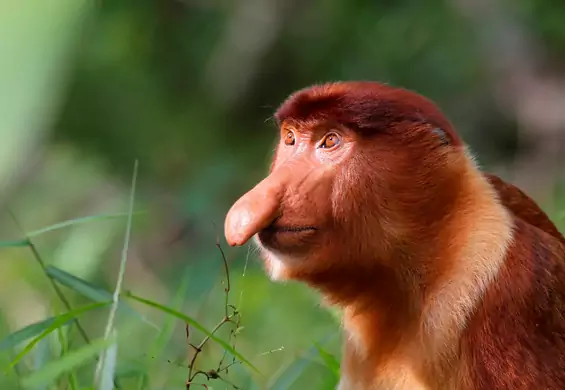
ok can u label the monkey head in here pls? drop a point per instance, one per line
(361, 169)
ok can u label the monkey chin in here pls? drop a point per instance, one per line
(284, 250)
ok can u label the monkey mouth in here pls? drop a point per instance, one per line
(288, 229)
(285, 238)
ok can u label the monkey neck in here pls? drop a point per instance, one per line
(427, 290)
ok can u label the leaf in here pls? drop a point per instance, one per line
(29, 331)
(14, 243)
(109, 366)
(81, 286)
(89, 290)
(58, 322)
(195, 324)
(330, 360)
(64, 343)
(102, 366)
(293, 371)
(52, 370)
(78, 221)
(166, 333)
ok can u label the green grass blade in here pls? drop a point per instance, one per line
(14, 243)
(54, 369)
(330, 360)
(195, 324)
(78, 221)
(39, 356)
(108, 370)
(89, 290)
(167, 331)
(160, 343)
(58, 322)
(294, 370)
(116, 296)
(27, 332)
(81, 286)
(72, 381)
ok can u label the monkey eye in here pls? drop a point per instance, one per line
(289, 139)
(331, 140)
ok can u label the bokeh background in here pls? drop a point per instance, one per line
(188, 88)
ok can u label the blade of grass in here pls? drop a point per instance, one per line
(78, 221)
(166, 332)
(39, 356)
(55, 286)
(294, 370)
(109, 367)
(58, 322)
(52, 370)
(14, 244)
(121, 272)
(79, 285)
(329, 359)
(195, 324)
(25, 333)
(89, 290)
(72, 381)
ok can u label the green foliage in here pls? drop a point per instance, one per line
(58, 322)
(194, 323)
(54, 369)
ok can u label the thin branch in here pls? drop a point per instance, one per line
(214, 374)
(227, 289)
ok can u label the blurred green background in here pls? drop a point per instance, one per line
(188, 88)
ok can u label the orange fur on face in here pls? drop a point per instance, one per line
(449, 278)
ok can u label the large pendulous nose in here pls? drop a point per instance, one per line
(255, 210)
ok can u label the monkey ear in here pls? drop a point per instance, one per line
(444, 138)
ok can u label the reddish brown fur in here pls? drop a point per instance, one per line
(449, 278)
(523, 207)
(366, 107)
(516, 339)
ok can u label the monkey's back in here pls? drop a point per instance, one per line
(522, 206)
(516, 338)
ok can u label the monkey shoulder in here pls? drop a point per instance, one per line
(521, 206)
(516, 338)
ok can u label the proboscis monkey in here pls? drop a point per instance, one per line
(449, 278)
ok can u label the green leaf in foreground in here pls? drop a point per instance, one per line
(288, 376)
(89, 290)
(78, 221)
(195, 324)
(71, 222)
(294, 370)
(27, 332)
(107, 382)
(14, 243)
(108, 368)
(329, 359)
(58, 322)
(54, 369)
(81, 286)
